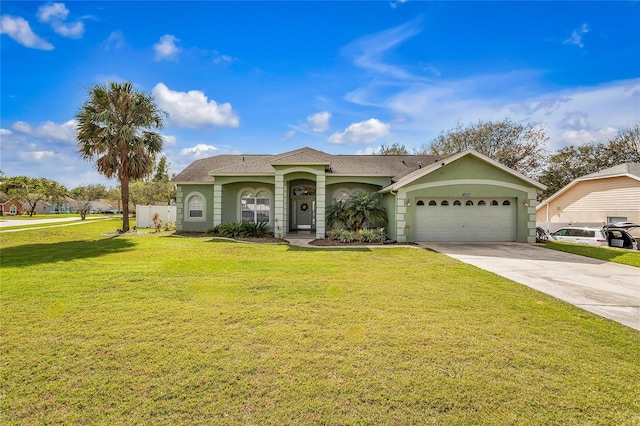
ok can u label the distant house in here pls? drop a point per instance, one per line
(64, 206)
(10, 206)
(465, 197)
(42, 207)
(608, 196)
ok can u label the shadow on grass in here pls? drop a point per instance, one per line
(33, 254)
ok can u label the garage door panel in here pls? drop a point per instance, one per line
(472, 222)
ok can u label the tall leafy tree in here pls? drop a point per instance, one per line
(521, 147)
(31, 191)
(161, 173)
(572, 162)
(83, 196)
(393, 149)
(116, 129)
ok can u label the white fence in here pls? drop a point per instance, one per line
(144, 214)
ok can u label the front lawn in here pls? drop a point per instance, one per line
(610, 254)
(160, 329)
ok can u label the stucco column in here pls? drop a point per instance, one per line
(401, 222)
(179, 208)
(217, 205)
(320, 205)
(279, 219)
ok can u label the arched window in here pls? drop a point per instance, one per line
(506, 203)
(468, 203)
(457, 203)
(482, 203)
(13, 210)
(255, 205)
(444, 203)
(494, 203)
(433, 203)
(195, 208)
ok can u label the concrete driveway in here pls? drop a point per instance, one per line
(604, 288)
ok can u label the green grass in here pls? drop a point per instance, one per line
(157, 329)
(611, 254)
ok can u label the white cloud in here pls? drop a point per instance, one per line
(19, 30)
(574, 120)
(397, 3)
(5, 132)
(193, 109)
(288, 135)
(65, 132)
(37, 156)
(56, 14)
(169, 140)
(367, 151)
(581, 137)
(166, 48)
(362, 132)
(52, 12)
(319, 122)
(115, 40)
(367, 52)
(576, 36)
(71, 30)
(199, 151)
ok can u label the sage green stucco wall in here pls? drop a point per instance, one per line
(230, 193)
(473, 176)
(184, 224)
(389, 203)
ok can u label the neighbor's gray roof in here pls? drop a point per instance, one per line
(393, 166)
(620, 169)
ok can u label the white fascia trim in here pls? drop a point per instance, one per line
(530, 194)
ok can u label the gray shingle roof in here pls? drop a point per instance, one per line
(393, 166)
(620, 169)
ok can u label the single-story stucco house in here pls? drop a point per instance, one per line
(465, 197)
(609, 196)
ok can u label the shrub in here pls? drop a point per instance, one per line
(254, 230)
(374, 235)
(241, 230)
(343, 235)
(215, 231)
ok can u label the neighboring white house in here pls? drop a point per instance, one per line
(608, 196)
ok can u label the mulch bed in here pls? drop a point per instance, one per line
(335, 243)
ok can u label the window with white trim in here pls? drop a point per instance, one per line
(13, 210)
(255, 206)
(195, 208)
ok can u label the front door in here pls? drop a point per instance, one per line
(303, 208)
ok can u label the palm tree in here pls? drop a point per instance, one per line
(364, 210)
(115, 128)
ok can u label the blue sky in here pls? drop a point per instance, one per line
(342, 77)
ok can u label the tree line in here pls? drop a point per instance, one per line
(155, 189)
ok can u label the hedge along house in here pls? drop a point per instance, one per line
(476, 198)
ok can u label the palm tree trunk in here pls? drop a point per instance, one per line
(124, 189)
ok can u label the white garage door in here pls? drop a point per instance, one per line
(465, 219)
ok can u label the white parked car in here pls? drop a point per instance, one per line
(581, 235)
(612, 235)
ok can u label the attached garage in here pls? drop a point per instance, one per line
(465, 219)
(467, 197)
